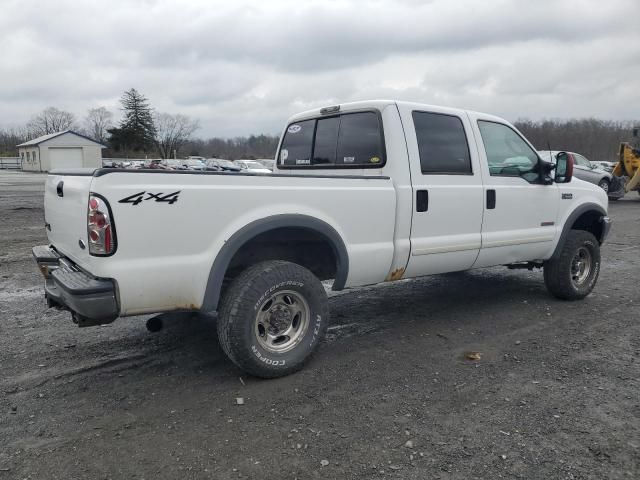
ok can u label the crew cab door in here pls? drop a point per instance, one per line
(447, 191)
(519, 222)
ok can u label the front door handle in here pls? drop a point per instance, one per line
(491, 199)
(422, 200)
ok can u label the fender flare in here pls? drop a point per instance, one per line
(573, 216)
(249, 231)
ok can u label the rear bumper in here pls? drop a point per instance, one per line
(91, 300)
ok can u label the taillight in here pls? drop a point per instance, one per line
(100, 230)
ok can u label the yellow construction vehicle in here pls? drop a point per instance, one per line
(626, 173)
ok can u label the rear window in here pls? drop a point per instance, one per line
(347, 140)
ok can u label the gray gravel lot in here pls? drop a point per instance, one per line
(389, 394)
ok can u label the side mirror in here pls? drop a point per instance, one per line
(564, 167)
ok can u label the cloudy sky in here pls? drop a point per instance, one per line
(243, 67)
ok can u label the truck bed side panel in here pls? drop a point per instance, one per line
(166, 250)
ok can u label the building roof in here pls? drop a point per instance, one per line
(44, 138)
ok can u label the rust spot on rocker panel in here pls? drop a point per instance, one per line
(395, 275)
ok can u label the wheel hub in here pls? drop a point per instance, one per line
(581, 266)
(279, 319)
(282, 321)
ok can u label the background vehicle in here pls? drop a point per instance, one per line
(222, 164)
(156, 165)
(176, 164)
(606, 166)
(363, 193)
(252, 166)
(627, 170)
(194, 164)
(585, 169)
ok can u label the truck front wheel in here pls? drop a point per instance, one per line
(573, 274)
(272, 318)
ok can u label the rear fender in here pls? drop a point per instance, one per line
(248, 232)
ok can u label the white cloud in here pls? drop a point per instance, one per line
(243, 67)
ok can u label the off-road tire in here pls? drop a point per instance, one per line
(240, 306)
(558, 270)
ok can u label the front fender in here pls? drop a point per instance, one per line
(571, 219)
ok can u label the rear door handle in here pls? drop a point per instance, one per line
(422, 200)
(491, 199)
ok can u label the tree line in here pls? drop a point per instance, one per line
(598, 140)
(141, 132)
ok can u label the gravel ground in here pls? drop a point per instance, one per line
(389, 394)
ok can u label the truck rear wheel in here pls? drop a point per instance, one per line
(573, 274)
(272, 318)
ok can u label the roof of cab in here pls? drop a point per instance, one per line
(382, 104)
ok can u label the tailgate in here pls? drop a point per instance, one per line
(65, 213)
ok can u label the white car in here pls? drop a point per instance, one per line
(362, 193)
(252, 166)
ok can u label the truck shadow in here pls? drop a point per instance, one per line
(187, 347)
(435, 303)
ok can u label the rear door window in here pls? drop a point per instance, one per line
(442, 144)
(348, 140)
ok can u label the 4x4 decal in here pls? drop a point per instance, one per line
(139, 197)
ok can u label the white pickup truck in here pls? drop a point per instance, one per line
(362, 193)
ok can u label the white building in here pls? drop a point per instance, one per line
(66, 149)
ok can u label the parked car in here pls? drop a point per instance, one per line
(156, 165)
(252, 166)
(175, 164)
(194, 164)
(222, 164)
(606, 166)
(363, 193)
(134, 164)
(584, 169)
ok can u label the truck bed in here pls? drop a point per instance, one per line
(171, 224)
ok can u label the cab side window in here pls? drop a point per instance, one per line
(508, 154)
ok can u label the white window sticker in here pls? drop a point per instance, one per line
(303, 161)
(349, 159)
(284, 154)
(294, 128)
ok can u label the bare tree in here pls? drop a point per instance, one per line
(51, 120)
(97, 122)
(172, 132)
